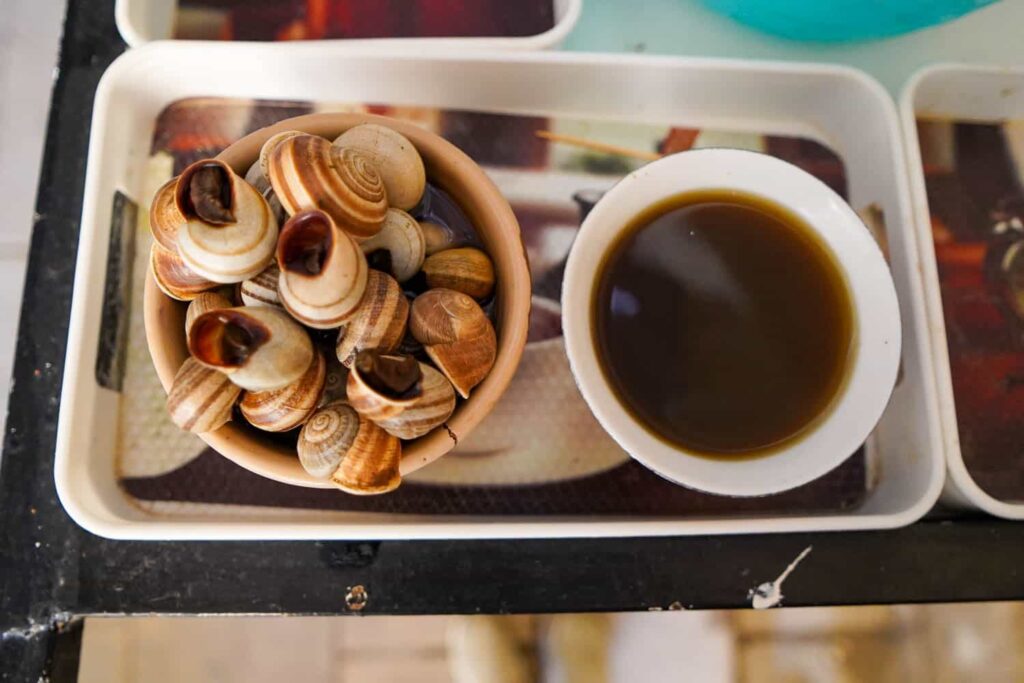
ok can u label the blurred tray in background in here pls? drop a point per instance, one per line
(519, 25)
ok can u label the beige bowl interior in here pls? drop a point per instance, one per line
(451, 170)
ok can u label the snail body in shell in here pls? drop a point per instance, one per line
(259, 348)
(400, 242)
(378, 323)
(229, 230)
(405, 397)
(323, 271)
(204, 303)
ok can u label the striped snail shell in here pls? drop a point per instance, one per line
(261, 290)
(307, 173)
(201, 398)
(456, 334)
(229, 231)
(258, 347)
(326, 438)
(401, 244)
(371, 464)
(263, 163)
(286, 408)
(379, 322)
(173, 277)
(323, 272)
(395, 158)
(408, 414)
(164, 217)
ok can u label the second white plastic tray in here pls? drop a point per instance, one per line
(955, 95)
(143, 21)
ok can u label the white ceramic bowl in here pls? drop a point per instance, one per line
(876, 346)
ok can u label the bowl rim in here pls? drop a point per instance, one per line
(249, 448)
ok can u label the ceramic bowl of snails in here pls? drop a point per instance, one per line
(335, 300)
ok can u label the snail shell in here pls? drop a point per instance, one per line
(395, 157)
(379, 322)
(326, 437)
(286, 408)
(439, 237)
(402, 240)
(173, 277)
(229, 231)
(323, 271)
(307, 173)
(456, 335)
(465, 270)
(371, 464)
(201, 398)
(258, 347)
(261, 290)
(263, 163)
(406, 417)
(382, 385)
(205, 302)
(164, 217)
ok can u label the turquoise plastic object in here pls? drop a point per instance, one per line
(842, 20)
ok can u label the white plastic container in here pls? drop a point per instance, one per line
(963, 94)
(143, 21)
(840, 107)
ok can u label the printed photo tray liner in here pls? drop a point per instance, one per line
(540, 452)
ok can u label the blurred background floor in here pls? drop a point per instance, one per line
(974, 643)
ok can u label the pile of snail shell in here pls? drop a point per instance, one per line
(308, 326)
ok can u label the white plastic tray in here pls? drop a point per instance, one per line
(143, 21)
(958, 93)
(840, 107)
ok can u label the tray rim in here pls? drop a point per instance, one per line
(961, 489)
(212, 528)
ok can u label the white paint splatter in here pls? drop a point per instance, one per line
(770, 594)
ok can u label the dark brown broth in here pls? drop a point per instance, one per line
(723, 323)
